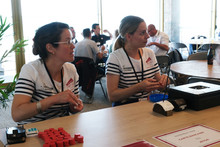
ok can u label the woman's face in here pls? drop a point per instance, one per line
(139, 38)
(65, 49)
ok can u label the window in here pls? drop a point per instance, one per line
(194, 19)
(217, 31)
(7, 68)
(115, 10)
(79, 14)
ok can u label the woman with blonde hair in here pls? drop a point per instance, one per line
(132, 70)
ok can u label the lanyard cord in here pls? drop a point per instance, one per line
(61, 73)
(142, 68)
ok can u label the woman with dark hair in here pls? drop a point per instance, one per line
(48, 87)
(132, 70)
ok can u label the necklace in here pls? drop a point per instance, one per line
(61, 73)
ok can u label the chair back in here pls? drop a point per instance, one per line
(198, 56)
(88, 75)
(177, 45)
(205, 47)
(175, 56)
(199, 37)
(163, 62)
(86, 68)
(182, 48)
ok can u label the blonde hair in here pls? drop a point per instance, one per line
(129, 24)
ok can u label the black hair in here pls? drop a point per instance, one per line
(86, 32)
(48, 33)
(94, 26)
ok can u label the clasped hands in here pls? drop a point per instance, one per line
(150, 84)
(69, 97)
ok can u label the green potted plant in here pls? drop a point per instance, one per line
(7, 89)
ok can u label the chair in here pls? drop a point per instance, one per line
(200, 79)
(164, 63)
(88, 75)
(198, 56)
(174, 57)
(199, 37)
(182, 48)
(206, 47)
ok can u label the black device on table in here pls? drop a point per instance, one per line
(16, 134)
(198, 95)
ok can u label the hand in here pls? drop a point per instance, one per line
(163, 82)
(67, 96)
(151, 43)
(102, 48)
(105, 52)
(105, 31)
(77, 108)
(149, 85)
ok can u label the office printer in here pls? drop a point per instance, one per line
(198, 95)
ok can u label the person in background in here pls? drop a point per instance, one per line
(158, 41)
(49, 86)
(87, 47)
(132, 70)
(217, 54)
(74, 35)
(115, 36)
(100, 39)
(86, 54)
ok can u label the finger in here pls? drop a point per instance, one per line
(79, 106)
(73, 99)
(163, 79)
(79, 101)
(73, 96)
(151, 80)
(74, 103)
(151, 88)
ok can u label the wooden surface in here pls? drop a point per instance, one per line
(198, 68)
(114, 127)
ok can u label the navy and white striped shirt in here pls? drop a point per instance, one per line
(34, 81)
(118, 64)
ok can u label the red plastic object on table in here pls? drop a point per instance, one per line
(59, 138)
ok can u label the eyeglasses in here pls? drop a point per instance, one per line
(69, 42)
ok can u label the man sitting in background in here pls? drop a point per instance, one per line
(158, 41)
(87, 47)
(86, 53)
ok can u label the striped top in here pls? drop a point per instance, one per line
(34, 81)
(118, 64)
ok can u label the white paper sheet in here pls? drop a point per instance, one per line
(194, 136)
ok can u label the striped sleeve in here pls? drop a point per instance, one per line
(113, 65)
(25, 84)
